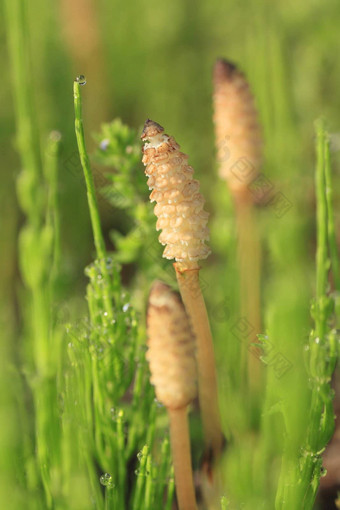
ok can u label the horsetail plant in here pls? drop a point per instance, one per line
(171, 356)
(105, 351)
(38, 251)
(323, 343)
(78, 414)
(298, 483)
(91, 194)
(179, 208)
(331, 229)
(238, 135)
(239, 155)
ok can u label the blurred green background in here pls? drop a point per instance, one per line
(154, 60)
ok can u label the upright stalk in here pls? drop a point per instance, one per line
(181, 455)
(249, 260)
(322, 261)
(322, 356)
(322, 347)
(53, 213)
(239, 153)
(331, 231)
(189, 286)
(91, 194)
(183, 221)
(171, 356)
(36, 241)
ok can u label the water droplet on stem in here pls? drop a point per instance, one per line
(81, 79)
(107, 481)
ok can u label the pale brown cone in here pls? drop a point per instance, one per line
(238, 135)
(179, 204)
(171, 348)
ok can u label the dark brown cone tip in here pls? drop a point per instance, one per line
(225, 70)
(151, 129)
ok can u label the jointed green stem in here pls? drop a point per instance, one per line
(91, 196)
(27, 138)
(333, 249)
(35, 249)
(321, 221)
(322, 355)
(110, 498)
(53, 217)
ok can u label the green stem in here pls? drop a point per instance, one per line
(27, 137)
(53, 216)
(321, 229)
(91, 196)
(321, 361)
(140, 482)
(170, 492)
(35, 248)
(333, 248)
(110, 493)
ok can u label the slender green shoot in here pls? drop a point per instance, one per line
(53, 213)
(322, 345)
(35, 253)
(322, 261)
(332, 243)
(91, 193)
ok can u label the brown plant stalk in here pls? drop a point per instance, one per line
(239, 154)
(171, 356)
(179, 209)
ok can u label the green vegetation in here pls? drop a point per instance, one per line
(80, 427)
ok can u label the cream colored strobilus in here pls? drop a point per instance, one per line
(239, 154)
(179, 204)
(171, 357)
(183, 221)
(237, 130)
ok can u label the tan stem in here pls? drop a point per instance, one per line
(189, 286)
(181, 455)
(249, 260)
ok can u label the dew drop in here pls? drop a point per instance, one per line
(106, 480)
(104, 144)
(109, 263)
(158, 403)
(126, 307)
(81, 79)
